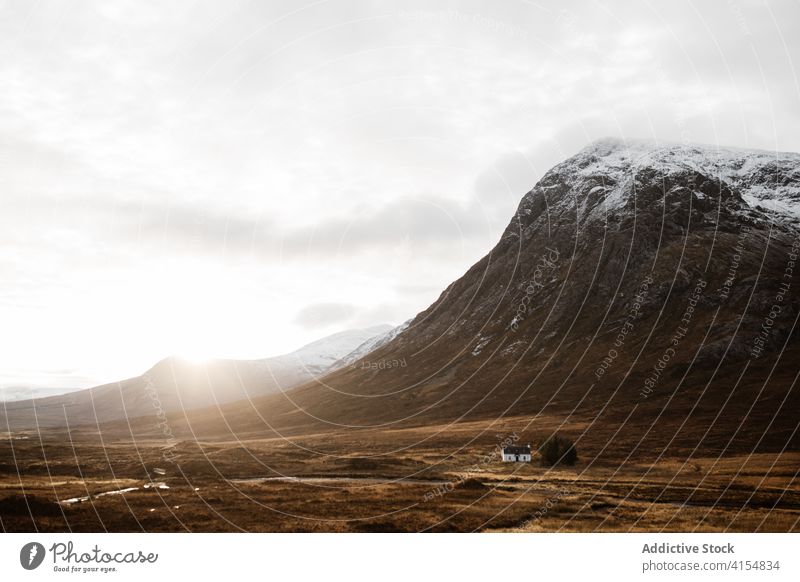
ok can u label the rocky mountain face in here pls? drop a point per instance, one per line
(640, 289)
(175, 384)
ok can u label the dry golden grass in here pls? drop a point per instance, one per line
(432, 479)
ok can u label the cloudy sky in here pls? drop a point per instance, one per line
(239, 178)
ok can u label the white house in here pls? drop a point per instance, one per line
(517, 454)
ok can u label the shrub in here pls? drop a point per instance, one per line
(363, 464)
(472, 483)
(29, 505)
(557, 450)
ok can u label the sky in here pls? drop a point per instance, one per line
(237, 179)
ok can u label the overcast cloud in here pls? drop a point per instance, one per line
(239, 178)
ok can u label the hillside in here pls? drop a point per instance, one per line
(629, 295)
(175, 384)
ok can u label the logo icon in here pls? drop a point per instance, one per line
(31, 555)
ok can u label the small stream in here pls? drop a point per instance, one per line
(73, 500)
(257, 480)
(88, 497)
(327, 480)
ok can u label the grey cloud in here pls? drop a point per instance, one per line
(417, 221)
(321, 315)
(509, 178)
(422, 223)
(317, 135)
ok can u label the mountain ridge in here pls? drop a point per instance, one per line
(524, 330)
(176, 384)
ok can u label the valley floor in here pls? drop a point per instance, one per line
(411, 480)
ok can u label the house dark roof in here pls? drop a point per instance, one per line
(517, 450)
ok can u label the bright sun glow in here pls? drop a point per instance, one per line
(119, 323)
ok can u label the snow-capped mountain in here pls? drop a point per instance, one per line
(610, 175)
(634, 275)
(641, 286)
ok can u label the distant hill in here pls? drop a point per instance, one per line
(13, 393)
(178, 385)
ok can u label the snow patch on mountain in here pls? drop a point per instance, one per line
(371, 345)
(482, 343)
(320, 356)
(604, 176)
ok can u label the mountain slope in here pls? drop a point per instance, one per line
(369, 346)
(628, 294)
(14, 393)
(175, 384)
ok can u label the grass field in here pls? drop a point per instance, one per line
(442, 478)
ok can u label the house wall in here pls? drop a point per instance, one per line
(516, 458)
